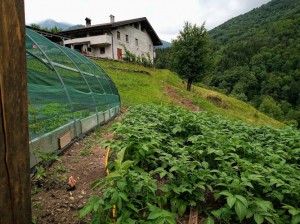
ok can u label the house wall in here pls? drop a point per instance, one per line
(96, 51)
(95, 43)
(144, 41)
(111, 43)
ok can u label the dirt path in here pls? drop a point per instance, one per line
(170, 91)
(84, 160)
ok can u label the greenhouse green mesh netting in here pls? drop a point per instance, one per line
(63, 86)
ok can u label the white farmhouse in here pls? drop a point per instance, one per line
(108, 40)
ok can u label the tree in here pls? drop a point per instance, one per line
(190, 53)
(270, 107)
(35, 26)
(55, 29)
(162, 59)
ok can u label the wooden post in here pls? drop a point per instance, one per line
(15, 198)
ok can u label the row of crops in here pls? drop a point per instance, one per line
(166, 160)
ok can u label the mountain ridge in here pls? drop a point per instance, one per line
(50, 23)
(165, 44)
(278, 5)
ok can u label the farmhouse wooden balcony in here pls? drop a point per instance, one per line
(101, 40)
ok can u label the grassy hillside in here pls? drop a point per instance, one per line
(162, 86)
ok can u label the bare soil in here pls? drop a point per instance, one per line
(176, 98)
(85, 161)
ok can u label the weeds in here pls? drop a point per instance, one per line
(44, 176)
(60, 169)
(85, 152)
(88, 146)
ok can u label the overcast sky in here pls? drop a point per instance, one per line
(166, 16)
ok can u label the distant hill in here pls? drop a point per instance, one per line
(50, 23)
(165, 45)
(257, 59)
(258, 22)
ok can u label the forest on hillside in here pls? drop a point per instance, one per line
(256, 59)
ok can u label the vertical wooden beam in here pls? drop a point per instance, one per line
(15, 200)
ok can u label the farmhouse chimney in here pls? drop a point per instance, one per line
(112, 18)
(88, 22)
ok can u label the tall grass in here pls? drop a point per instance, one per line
(137, 88)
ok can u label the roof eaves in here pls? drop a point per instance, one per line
(156, 40)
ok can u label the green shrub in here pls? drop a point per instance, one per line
(270, 107)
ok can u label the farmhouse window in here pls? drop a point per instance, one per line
(127, 38)
(102, 50)
(136, 25)
(118, 35)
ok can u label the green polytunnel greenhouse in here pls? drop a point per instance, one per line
(68, 94)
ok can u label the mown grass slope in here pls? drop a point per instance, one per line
(137, 88)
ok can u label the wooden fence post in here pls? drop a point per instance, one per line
(15, 198)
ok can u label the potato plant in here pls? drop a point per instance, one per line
(169, 159)
(49, 116)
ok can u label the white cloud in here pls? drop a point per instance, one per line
(166, 16)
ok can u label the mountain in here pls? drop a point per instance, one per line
(165, 45)
(50, 23)
(257, 59)
(263, 19)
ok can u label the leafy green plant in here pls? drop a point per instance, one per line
(144, 60)
(160, 216)
(60, 169)
(36, 205)
(43, 175)
(45, 157)
(125, 188)
(35, 190)
(48, 117)
(294, 212)
(87, 148)
(33, 219)
(85, 152)
(174, 159)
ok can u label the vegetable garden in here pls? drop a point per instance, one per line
(166, 160)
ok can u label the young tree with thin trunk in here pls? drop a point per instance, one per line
(191, 53)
